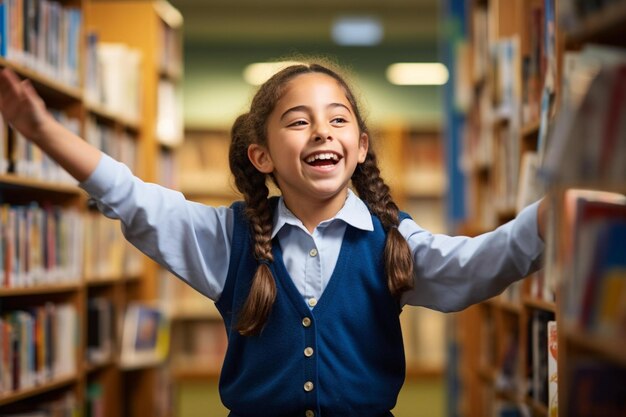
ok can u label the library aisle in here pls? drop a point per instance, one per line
(532, 105)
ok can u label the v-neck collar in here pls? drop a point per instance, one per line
(285, 280)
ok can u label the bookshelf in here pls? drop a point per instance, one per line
(534, 97)
(62, 304)
(159, 74)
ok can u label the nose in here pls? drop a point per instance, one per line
(321, 133)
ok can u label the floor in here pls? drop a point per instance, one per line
(418, 398)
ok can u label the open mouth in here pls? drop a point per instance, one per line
(323, 159)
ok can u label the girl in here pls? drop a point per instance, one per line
(310, 284)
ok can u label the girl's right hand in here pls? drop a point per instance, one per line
(21, 106)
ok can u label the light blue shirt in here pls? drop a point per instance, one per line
(193, 241)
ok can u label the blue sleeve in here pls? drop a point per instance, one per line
(452, 273)
(191, 240)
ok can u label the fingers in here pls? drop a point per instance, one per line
(9, 82)
(9, 86)
(16, 93)
(30, 91)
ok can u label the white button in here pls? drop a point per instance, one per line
(309, 413)
(313, 252)
(312, 302)
(306, 322)
(308, 352)
(308, 386)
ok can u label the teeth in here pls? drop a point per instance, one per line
(323, 156)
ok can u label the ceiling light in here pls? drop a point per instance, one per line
(259, 72)
(357, 31)
(417, 73)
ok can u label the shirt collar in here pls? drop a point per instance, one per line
(354, 212)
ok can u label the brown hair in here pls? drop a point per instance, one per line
(251, 128)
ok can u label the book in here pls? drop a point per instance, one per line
(587, 143)
(597, 389)
(594, 237)
(120, 78)
(100, 328)
(529, 188)
(145, 336)
(539, 356)
(552, 348)
(169, 122)
(604, 293)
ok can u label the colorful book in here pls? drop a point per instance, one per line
(597, 390)
(552, 348)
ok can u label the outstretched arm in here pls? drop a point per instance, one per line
(454, 272)
(190, 239)
(26, 112)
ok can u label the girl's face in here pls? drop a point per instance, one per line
(313, 141)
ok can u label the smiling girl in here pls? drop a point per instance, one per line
(310, 284)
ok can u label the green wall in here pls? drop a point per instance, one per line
(215, 92)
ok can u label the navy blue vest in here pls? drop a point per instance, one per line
(354, 364)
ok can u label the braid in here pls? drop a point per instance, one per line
(373, 190)
(251, 183)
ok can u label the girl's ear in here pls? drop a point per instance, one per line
(364, 143)
(260, 157)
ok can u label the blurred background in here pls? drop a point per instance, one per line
(476, 109)
(222, 37)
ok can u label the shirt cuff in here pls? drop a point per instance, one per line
(526, 230)
(102, 178)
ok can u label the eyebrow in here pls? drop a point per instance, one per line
(307, 109)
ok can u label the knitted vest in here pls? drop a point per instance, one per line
(343, 358)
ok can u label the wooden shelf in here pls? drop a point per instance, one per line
(40, 290)
(424, 184)
(607, 25)
(509, 306)
(49, 86)
(508, 395)
(539, 304)
(589, 185)
(208, 312)
(110, 115)
(97, 366)
(531, 129)
(611, 349)
(505, 214)
(209, 183)
(191, 373)
(537, 408)
(130, 279)
(17, 181)
(487, 374)
(31, 392)
(422, 371)
(95, 282)
(174, 74)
